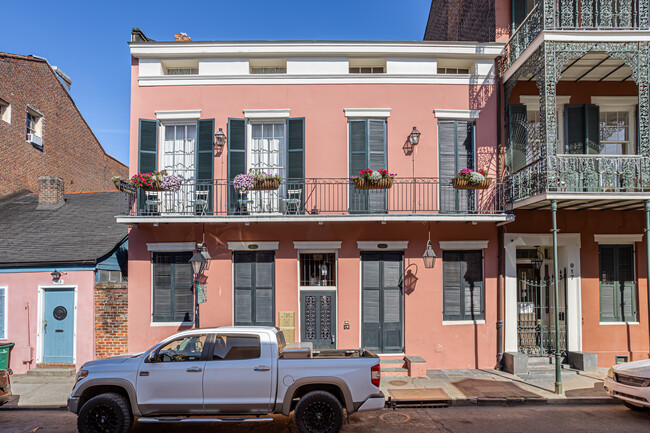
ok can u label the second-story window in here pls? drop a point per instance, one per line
(5, 111)
(367, 66)
(179, 150)
(615, 135)
(268, 66)
(34, 129)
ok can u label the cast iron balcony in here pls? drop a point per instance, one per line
(314, 199)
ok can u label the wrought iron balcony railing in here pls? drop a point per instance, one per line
(407, 196)
(582, 173)
(575, 15)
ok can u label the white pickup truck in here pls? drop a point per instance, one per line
(228, 374)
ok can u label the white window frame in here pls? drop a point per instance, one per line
(164, 247)
(174, 122)
(5, 289)
(5, 111)
(609, 104)
(37, 128)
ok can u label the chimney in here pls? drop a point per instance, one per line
(50, 192)
(182, 37)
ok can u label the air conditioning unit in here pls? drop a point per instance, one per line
(34, 139)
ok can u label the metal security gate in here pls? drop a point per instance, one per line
(318, 318)
(536, 313)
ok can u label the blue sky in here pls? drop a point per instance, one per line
(88, 39)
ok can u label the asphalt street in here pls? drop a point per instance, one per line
(531, 419)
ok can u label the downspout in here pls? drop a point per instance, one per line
(556, 297)
(500, 178)
(647, 261)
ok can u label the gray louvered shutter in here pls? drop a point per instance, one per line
(626, 286)
(392, 287)
(377, 160)
(465, 159)
(574, 129)
(607, 274)
(3, 313)
(296, 158)
(183, 288)
(370, 309)
(592, 129)
(147, 153)
(162, 288)
(358, 161)
(519, 13)
(473, 285)
(518, 137)
(451, 285)
(244, 285)
(264, 284)
(205, 161)
(236, 158)
(447, 158)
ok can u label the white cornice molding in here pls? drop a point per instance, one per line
(614, 239)
(618, 101)
(532, 101)
(382, 245)
(457, 114)
(317, 245)
(253, 246)
(267, 114)
(463, 245)
(170, 246)
(178, 114)
(367, 112)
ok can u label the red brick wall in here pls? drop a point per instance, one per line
(111, 319)
(70, 149)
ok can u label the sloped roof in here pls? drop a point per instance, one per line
(81, 231)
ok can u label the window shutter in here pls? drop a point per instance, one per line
(518, 134)
(592, 129)
(183, 288)
(358, 161)
(2, 313)
(236, 157)
(376, 161)
(147, 153)
(451, 285)
(264, 284)
(243, 288)
(473, 284)
(574, 130)
(205, 160)
(162, 288)
(296, 157)
(625, 280)
(447, 152)
(254, 287)
(519, 13)
(608, 310)
(465, 159)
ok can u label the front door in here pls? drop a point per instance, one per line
(382, 301)
(58, 326)
(318, 318)
(172, 382)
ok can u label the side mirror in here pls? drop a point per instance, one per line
(152, 356)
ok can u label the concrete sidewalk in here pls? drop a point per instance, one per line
(39, 391)
(493, 387)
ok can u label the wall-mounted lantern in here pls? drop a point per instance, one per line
(56, 275)
(220, 138)
(429, 256)
(537, 260)
(414, 136)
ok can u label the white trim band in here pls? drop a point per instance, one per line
(178, 114)
(170, 246)
(463, 245)
(618, 101)
(317, 245)
(532, 101)
(382, 245)
(457, 114)
(614, 239)
(367, 112)
(267, 114)
(253, 246)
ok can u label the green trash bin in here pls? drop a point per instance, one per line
(4, 355)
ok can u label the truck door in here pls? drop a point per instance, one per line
(238, 375)
(172, 383)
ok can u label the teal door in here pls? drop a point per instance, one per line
(318, 318)
(58, 325)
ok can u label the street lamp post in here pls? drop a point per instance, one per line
(198, 262)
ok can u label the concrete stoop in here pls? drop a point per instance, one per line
(52, 372)
(412, 366)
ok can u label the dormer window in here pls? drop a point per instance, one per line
(367, 66)
(268, 66)
(455, 67)
(180, 67)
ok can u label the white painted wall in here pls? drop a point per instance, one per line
(223, 67)
(404, 66)
(484, 67)
(312, 66)
(150, 67)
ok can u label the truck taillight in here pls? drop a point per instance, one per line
(375, 375)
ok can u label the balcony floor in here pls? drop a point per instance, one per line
(585, 201)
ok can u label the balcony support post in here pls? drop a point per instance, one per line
(647, 261)
(556, 297)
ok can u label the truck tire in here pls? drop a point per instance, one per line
(105, 413)
(318, 412)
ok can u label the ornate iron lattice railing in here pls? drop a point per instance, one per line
(316, 197)
(582, 173)
(575, 15)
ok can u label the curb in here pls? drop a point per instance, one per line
(520, 401)
(44, 407)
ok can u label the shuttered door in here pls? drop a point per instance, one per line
(205, 163)
(296, 161)
(592, 122)
(456, 151)
(236, 159)
(617, 285)
(518, 137)
(463, 296)
(382, 301)
(173, 295)
(147, 154)
(582, 129)
(254, 288)
(368, 143)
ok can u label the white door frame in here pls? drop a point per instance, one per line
(569, 257)
(40, 340)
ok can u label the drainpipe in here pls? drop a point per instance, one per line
(500, 298)
(558, 366)
(647, 259)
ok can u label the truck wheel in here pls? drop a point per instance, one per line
(105, 413)
(318, 412)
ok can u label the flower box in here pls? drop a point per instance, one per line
(466, 184)
(384, 183)
(154, 187)
(266, 185)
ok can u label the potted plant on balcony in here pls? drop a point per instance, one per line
(256, 181)
(373, 179)
(470, 179)
(156, 181)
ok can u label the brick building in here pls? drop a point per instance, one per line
(42, 131)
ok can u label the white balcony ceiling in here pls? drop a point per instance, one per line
(595, 66)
